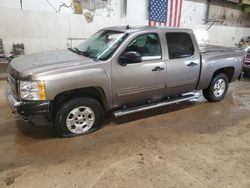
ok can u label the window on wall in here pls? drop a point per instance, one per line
(180, 45)
(148, 45)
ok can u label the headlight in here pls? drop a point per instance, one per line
(32, 90)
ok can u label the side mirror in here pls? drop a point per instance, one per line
(129, 58)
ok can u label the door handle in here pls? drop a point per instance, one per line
(192, 64)
(158, 69)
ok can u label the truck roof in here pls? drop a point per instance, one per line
(133, 29)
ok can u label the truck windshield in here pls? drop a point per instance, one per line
(101, 45)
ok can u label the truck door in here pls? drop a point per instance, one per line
(135, 82)
(183, 64)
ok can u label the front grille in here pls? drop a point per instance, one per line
(12, 80)
(13, 85)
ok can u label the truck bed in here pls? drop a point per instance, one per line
(204, 49)
(215, 57)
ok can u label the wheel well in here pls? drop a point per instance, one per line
(92, 92)
(229, 71)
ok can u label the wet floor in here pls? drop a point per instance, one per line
(192, 144)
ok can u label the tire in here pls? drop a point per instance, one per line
(215, 95)
(78, 116)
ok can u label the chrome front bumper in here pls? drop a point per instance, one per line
(12, 102)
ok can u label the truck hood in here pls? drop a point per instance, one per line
(48, 61)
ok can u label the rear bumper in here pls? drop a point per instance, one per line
(28, 110)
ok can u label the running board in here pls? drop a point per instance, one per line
(144, 107)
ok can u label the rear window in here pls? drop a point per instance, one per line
(180, 45)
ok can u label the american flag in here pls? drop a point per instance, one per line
(165, 13)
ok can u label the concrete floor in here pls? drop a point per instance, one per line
(3, 68)
(194, 144)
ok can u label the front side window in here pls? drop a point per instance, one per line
(102, 44)
(147, 45)
(180, 45)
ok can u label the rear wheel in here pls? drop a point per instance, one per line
(217, 88)
(78, 116)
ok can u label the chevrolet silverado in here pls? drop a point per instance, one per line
(120, 70)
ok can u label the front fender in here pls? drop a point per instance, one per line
(66, 81)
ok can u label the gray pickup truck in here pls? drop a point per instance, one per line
(121, 70)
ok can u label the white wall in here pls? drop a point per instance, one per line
(40, 28)
(39, 5)
(41, 31)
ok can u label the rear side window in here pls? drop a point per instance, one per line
(180, 45)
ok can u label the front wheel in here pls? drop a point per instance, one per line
(78, 116)
(217, 88)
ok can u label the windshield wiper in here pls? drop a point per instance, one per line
(72, 50)
(75, 50)
(86, 54)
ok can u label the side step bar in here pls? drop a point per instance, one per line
(131, 110)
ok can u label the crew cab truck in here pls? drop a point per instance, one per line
(120, 70)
